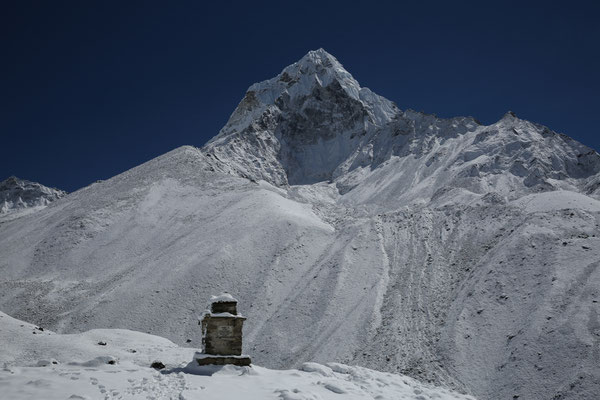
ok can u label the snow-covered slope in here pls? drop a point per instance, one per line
(19, 197)
(351, 231)
(115, 363)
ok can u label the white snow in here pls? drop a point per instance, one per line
(49, 366)
(224, 315)
(223, 297)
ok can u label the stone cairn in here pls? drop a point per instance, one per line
(222, 333)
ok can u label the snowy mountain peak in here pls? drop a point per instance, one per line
(19, 195)
(319, 68)
(316, 69)
(319, 56)
(314, 123)
(315, 75)
(301, 125)
(509, 117)
(317, 61)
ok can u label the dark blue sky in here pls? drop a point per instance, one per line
(91, 89)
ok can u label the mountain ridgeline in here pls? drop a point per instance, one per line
(351, 231)
(314, 123)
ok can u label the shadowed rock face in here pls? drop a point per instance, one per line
(318, 132)
(320, 116)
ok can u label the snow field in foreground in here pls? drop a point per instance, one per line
(114, 364)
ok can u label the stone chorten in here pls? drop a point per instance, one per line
(222, 333)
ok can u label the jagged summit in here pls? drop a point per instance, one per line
(320, 57)
(20, 194)
(301, 125)
(317, 67)
(314, 123)
(317, 75)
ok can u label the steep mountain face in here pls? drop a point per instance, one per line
(351, 231)
(314, 123)
(18, 196)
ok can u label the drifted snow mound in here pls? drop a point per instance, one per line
(350, 231)
(105, 363)
(19, 197)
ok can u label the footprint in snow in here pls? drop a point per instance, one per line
(295, 394)
(335, 388)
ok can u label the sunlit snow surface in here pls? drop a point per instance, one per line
(115, 364)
